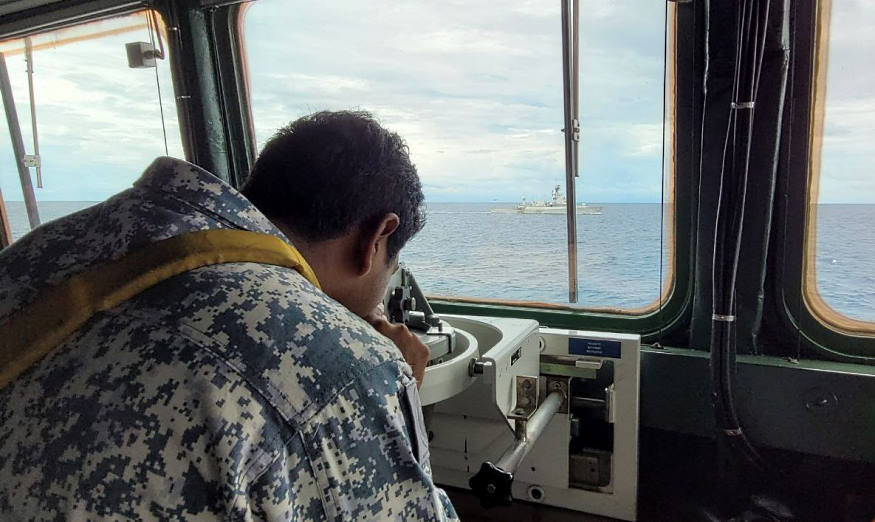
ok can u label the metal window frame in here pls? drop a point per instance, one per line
(571, 131)
(816, 304)
(791, 306)
(56, 15)
(656, 321)
(218, 134)
(22, 19)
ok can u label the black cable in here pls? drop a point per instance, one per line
(731, 427)
(152, 23)
(723, 342)
(730, 352)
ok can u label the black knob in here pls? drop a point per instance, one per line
(493, 485)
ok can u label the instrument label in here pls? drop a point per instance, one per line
(595, 347)
(516, 356)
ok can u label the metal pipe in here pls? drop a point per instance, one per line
(5, 232)
(569, 96)
(575, 81)
(28, 58)
(534, 427)
(18, 145)
(587, 402)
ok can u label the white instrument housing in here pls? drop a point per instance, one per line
(468, 416)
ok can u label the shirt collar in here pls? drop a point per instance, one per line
(197, 188)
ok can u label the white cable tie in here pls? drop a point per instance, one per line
(742, 105)
(733, 432)
(723, 318)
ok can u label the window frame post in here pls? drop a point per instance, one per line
(572, 133)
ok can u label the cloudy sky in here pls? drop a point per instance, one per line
(99, 122)
(847, 173)
(474, 86)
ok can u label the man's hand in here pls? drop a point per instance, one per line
(414, 351)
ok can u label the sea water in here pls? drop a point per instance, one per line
(466, 250)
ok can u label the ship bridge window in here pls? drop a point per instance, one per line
(476, 89)
(88, 121)
(839, 261)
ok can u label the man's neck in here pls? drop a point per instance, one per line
(328, 258)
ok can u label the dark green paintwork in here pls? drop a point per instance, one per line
(233, 89)
(771, 395)
(195, 83)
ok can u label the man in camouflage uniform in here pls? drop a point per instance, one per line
(239, 390)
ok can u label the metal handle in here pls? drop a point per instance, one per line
(493, 482)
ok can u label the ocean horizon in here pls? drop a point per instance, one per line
(466, 250)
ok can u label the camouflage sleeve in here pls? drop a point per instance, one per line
(360, 459)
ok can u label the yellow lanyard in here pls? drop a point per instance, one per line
(34, 331)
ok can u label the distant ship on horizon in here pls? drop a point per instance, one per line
(557, 205)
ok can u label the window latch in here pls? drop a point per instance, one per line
(31, 160)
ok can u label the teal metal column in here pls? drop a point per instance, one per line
(198, 99)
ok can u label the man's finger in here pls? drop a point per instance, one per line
(414, 351)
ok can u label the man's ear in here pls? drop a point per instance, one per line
(374, 240)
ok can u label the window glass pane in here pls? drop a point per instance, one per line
(99, 121)
(621, 108)
(844, 190)
(475, 88)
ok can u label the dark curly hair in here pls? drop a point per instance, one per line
(328, 172)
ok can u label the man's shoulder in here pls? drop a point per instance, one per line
(286, 337)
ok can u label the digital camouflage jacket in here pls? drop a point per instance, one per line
(236, 391)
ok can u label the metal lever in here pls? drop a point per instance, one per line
(493, 482)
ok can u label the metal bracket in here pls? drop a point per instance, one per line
(141, 55)
(526, 397)
(31, 160)
(575, 129)
(476, 367)
(610, 416)
(559, 383)
(567, 365)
